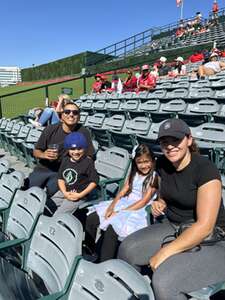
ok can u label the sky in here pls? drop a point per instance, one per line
(37, 32)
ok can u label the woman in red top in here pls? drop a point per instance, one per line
(130, 83)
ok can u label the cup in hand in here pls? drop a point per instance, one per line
(54, 147)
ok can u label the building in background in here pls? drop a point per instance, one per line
(9, 75)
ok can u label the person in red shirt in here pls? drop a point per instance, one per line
(198, 56)
(146, 81)
(97, 85)
(215, 10)
(130, 83)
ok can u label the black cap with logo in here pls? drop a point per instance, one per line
(174, 127)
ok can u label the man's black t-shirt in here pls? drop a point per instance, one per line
(179, 188)
(78, 174)
(54, 134)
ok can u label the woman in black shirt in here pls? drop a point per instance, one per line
(190, 188)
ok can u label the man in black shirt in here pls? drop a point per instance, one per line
(163, 68)
(49, 149)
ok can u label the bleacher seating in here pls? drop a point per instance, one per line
(117, 123)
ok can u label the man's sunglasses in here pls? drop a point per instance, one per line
(69, 111)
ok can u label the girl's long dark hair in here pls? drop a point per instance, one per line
(150, 179)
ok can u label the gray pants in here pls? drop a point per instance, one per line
(180, 274)
(64, 205)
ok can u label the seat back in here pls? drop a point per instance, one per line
(112, 163)
(16, 128)
(150, 106)
(206, 106)
(129, 105)
(4, 165)
(110, 280)
(183, 84)
(176, 105)
(99, 105)
(24, 211)
(83, 117)
(95, 121)
(34, 134)
(9, 183)
(138, 125)
(113, 105)
(164, 86)
(210, 135)
(200, 93)
(177, 94)
(54, 246)
(23, 132)
(201, 83)
(86, 105)
(115, 122)
(157, 94)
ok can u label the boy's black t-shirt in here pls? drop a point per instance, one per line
(179, 188)
(54, 134)
(78, 174)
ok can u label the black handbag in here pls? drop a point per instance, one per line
(217, 235)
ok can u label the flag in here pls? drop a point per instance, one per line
(179, 2)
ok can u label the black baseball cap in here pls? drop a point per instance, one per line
(174, 127)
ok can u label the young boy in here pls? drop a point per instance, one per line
(77, 175)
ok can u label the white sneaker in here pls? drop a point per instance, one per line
(34, 123)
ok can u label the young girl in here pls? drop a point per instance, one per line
(126, 213)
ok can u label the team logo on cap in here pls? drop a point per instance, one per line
(167, 125)
(70, 176)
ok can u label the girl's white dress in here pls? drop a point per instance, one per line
(125, 222)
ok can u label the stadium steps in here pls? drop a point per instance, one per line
(15, 163)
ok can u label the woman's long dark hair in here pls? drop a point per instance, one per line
(194, 147)
(150, 178)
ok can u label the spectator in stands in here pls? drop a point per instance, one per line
(215, 10)
(97, 85)
(49, 148)
(212, 67)
(126, 213)
(222, 53)
(77, 175)
(198, 56)
(190, 189)
(163, 68)
(180, 32)
(130, 82)
(116, 85)
(51, 115)
(179, 68)
(106, 84)
(146, 82)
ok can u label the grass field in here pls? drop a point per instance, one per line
(19, 104)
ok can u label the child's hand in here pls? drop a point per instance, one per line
(72, 196)
(109, 212)
(158, 207)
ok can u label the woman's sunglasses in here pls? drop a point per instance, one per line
(69, 111)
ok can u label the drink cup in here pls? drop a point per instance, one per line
(54, 147)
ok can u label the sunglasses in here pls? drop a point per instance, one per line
(69, 111)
